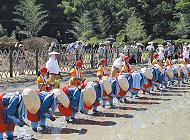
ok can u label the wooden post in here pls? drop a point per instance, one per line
(77, 55)
(11, 62)
(151, 54)
(106, 56)
(37, 60)
(92, 56)
(117, 51)
(138, 56)
(128, 51)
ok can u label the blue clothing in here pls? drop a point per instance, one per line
(71, 47)
(46, 103)
(136, 76)
(97, 88)
(14, 107)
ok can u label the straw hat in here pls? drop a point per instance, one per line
(123, 82)
(161, 48)
(106, 85)
(184, 69)
(122, 55)
(169, 72)
(147, 72)
(150, 43)
(160, 45)
(89, 94)
(53, 53)
(31, 100)
(62, 97)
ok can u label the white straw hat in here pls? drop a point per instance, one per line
(150, 43)
(106, 85)
(31, 100)
(89, 95)
(53, 53)
(62, 97)
(147, 72)
(122, 55)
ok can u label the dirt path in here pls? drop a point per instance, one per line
(163, 116)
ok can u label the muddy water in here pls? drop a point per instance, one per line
(163, 116)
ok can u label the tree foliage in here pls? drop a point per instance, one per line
(83, 28)
(160, 18)
(102, 23)
(135, 30)
(31, 16)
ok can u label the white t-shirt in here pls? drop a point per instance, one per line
(185, 54)
(161, 55)
(184, 48)
(149, 47)
(117, 64)
(52, 65)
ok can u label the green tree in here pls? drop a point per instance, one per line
(135, 29)
(163, 16)
(31, 16)
(83, 27)
(102, 23)
(182, 28)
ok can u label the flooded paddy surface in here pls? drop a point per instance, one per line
(163, 116)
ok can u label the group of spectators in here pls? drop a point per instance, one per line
(171, 51)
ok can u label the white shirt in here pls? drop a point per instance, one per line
(161, 55)
(184, 48)
(149, 47)
(185, 54)
(52, 65)
(117, 64)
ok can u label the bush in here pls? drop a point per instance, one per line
(182, 41)
(158, 41)
(7, 42)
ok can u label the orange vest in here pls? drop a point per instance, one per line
(42, 83)
(102, 72)
(76, 76)
(154, 62)
(126, 68)
(75, 73)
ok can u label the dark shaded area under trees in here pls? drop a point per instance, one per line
(167, 19)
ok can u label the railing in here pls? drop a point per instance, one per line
(13, 63)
